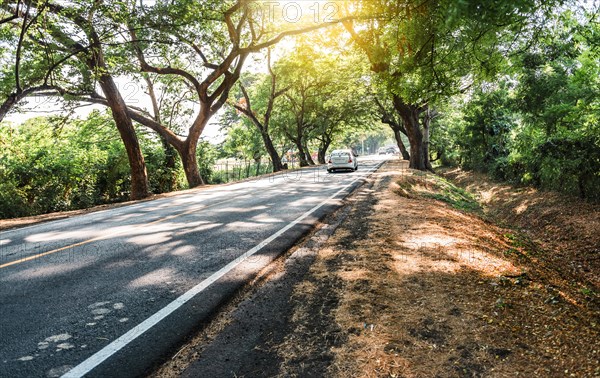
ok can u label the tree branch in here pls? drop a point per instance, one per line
(254, 48)
(228, 82)
(231, 29)
(145, 67)
(137, 116)
(15, 97)
(14, 16)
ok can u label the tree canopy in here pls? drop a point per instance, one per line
(510, 87)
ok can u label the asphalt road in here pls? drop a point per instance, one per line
(108, 294)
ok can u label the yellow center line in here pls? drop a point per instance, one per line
(39, 255)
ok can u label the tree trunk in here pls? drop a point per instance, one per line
(309, 158)
(8, 104)
(426, 124)
(410, 117)
(302, 154)
(275, 158)
(426, 146)
(323, 147)
(118, 107)
(168, 181)
(188, 149)
(401, 146)
(170, 162)
(187, 152)
(321, 156)
(139, 176)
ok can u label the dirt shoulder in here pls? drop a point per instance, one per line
(565, 230)
(416, 281)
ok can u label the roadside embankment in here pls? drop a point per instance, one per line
(418, 281)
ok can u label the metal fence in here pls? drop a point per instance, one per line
(229, 170)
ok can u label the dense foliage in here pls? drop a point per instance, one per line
(541, 124)
(48, 164)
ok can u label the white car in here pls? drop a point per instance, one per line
(342, 159)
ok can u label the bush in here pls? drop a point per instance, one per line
(47, 166)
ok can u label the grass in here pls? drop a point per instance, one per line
(454, 196)
(427, 185)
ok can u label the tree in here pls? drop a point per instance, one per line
(302, 100)
(424, 51)
(539, 124)
(55, 164)
(326, 96)
(390, 118)
(170, 107)
(217, 39)
(85, 44)
(370, 137)
(243, 142)
(557, 98)
(487, 123)
(345, 105)
(266, 96)
(36, 63)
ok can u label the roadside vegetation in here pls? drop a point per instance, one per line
(538, 123)
(52, 164)
(428, 185)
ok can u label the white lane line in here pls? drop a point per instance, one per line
(112, 348)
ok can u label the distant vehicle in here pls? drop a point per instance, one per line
(342, 159)
(382, 151)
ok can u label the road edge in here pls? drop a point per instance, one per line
(140, 350)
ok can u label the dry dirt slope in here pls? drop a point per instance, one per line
(565, 229)
(419, 288)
